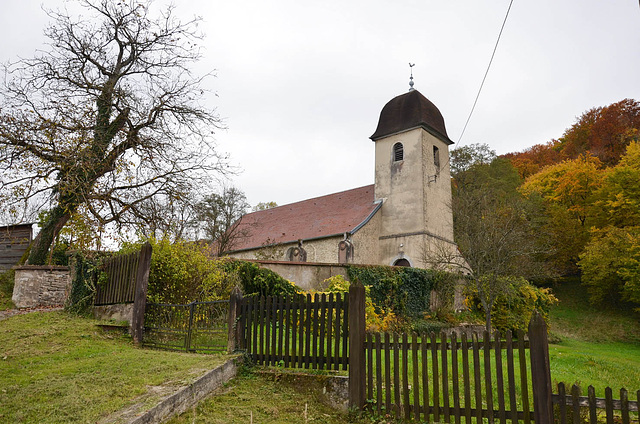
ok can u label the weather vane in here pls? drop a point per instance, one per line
(411, 65)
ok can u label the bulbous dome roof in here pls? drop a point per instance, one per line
(408, 111)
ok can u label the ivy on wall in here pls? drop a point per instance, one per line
(259, 281)
(405, 291)
(83, 287)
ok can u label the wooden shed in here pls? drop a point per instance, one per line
(14, 241)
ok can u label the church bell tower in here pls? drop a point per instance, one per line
(412, 179)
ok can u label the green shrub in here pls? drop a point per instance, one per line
(59, 254)
(259, 281)
(374, 317)
(513, 310)
(185, 272)
(6, 289)
(421, 326)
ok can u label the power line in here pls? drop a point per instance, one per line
(486, 73)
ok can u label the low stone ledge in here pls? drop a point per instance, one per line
(186, 397)
(117, 312)
(41, 267)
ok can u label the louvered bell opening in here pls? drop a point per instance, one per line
(398, 152)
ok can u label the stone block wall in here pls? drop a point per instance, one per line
(41, 286)
(306, 275)
(118, 312)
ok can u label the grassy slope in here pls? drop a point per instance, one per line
(594, 346)
(267, 402)
(57, 368)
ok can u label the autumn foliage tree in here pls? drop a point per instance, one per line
(618, 199)
(567, 191)
(610, 266)
(107, 118)
(603, 132)
(536, 157)
(610, 263)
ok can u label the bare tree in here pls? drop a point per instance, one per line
(263, 206)
(108, 117)
(220, 216)
(163, 217)
(493, 232)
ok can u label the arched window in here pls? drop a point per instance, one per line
(398, 152)
(297, 254)
(436, 158)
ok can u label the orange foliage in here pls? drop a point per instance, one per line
(536, 157)
(604, 132)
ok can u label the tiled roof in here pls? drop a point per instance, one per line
(323, 216)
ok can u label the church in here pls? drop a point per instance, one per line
(395, 221)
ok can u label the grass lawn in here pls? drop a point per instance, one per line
(266, 401)
(6, 290)
(591, 345)
(5, 303)
(57, 368)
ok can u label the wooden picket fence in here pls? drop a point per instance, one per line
(578, 409)
(127, 282)
(300, 331)
(438, 378)
(421, 377)
(120, 286)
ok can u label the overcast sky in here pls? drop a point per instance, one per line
(301, 83)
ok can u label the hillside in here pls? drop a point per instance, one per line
(592, 346)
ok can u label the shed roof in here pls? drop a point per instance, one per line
(324, 216)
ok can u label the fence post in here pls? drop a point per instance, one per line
(234, 327)
(187, 340)
(140, 299)
(357, 330)
(540, 370)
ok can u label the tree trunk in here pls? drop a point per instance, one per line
(40, 245)
(487, 315)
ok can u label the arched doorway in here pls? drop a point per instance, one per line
(402, 262)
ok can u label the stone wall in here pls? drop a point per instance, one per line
(307, 276)
(310, 276)
(41, 286)
(118, 312)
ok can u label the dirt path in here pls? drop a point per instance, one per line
(11, 312)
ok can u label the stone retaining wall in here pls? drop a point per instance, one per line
(41, 286)
(306, 275)
(117, 312)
